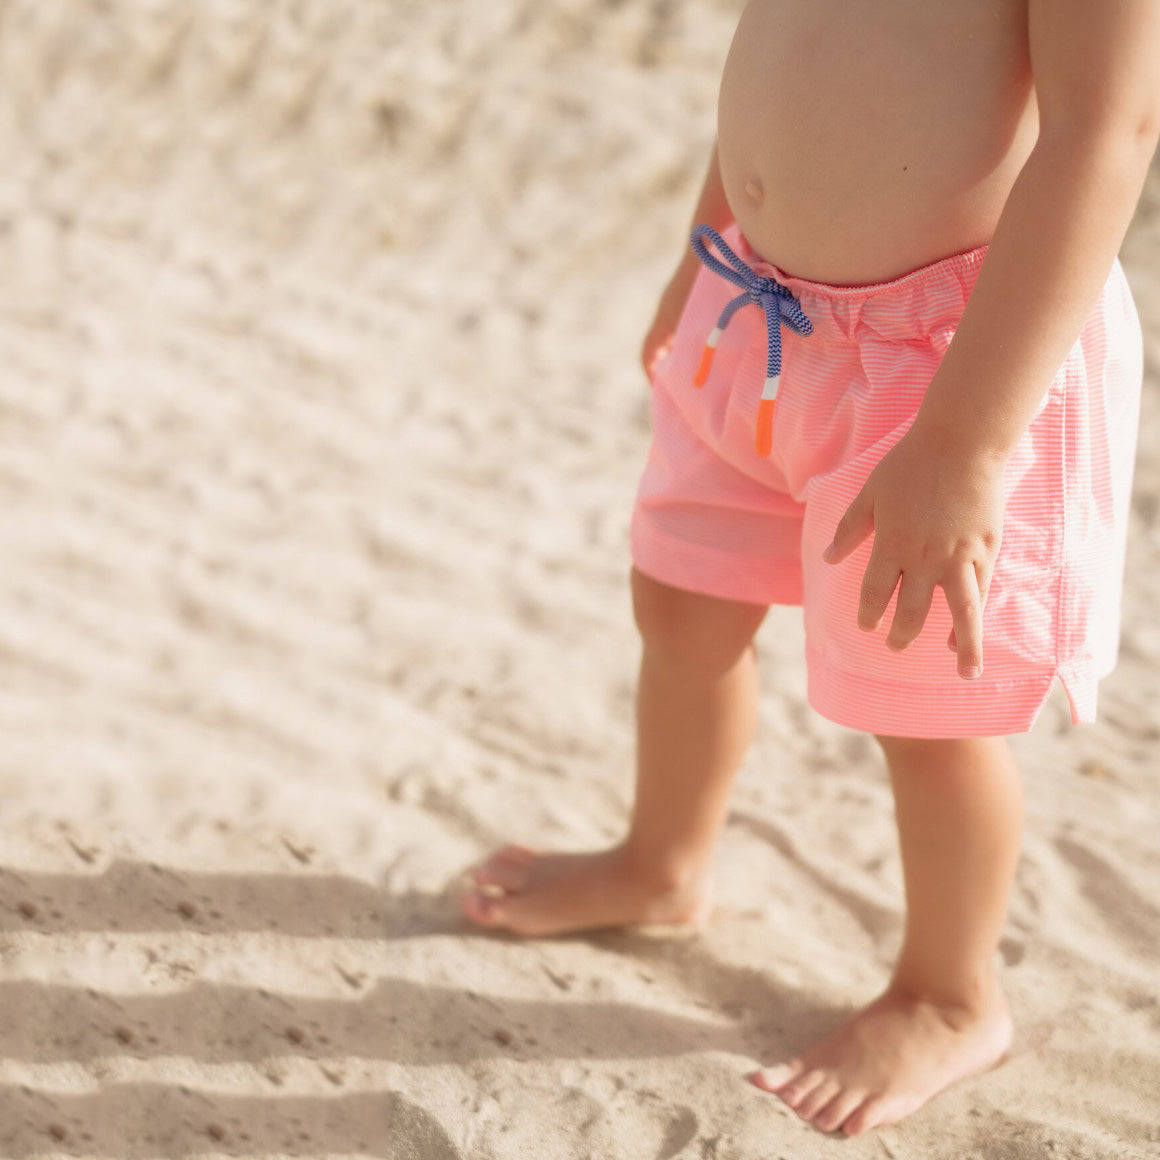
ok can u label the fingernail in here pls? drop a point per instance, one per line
(973, 672)
(829, 554)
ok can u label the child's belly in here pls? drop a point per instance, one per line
(860, 140)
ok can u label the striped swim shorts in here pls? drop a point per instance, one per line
(735, 506)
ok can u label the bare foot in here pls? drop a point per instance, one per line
(888, 1061)
(541, 894)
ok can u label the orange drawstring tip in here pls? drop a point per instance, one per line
(765, 427)
(702, 375)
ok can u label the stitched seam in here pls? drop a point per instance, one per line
(1068, 483)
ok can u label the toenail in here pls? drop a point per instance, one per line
(774, 1077)
(482, 905)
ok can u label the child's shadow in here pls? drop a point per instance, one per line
(294, 1039)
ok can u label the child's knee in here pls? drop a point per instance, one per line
(680, 626)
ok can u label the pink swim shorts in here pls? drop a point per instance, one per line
(714, 516)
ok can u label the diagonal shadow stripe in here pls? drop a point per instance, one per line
(396, 1020)
(135, 897)
(131, 1120)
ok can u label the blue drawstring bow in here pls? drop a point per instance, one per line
(779, 306)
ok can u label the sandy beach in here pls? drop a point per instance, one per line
(320, 422)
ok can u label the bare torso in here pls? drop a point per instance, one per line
(860, 140)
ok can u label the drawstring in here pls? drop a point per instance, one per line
(779, 305)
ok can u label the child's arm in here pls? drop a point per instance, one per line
(934, 501)
(712, 209)
(1097, 77)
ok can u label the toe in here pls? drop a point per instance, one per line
(817, 1099)
(868, 1115)
(843, 1105)
(795, 1093)
(507, 869)
(773, 1079)
(482, 908)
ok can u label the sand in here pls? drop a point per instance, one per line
(320, 419)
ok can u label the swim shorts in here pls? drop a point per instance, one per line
(715, 515)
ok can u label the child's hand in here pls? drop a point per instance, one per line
(664, 324)
(937, 518)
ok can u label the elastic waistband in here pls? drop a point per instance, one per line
(913, 305)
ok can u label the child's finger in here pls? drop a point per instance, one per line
(878, 584)
(915, 595)
(962, 593)
(852, 529)
(984, 573)
(653, 353)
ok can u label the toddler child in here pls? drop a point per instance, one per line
(896, 379)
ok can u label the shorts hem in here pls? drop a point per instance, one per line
(709, 571)
(905, 709)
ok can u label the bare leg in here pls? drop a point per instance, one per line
(943, 1017)
(696, 712)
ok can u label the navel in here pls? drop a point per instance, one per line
(754, 190)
